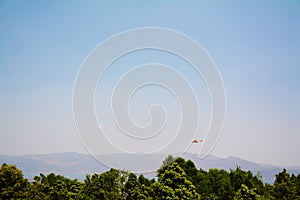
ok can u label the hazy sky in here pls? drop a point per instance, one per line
(256, 46)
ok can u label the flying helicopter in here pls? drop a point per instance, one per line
(197, 141)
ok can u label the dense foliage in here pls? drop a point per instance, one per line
(176, 179)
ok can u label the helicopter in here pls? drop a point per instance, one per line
(197, 141)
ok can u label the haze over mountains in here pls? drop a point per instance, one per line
(77, 165)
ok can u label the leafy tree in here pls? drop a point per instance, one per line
(220, 184)
(239, 177)
(269, 192)
(159, 191)
(283, 186)
(108, 185)
(189, 168)
(134, 189)
(203, 185)
(175, 178)
(37, 190)
(246, 194)
(13, 185)
(53, 186)
(297, 186)
(166, 162)
(144, 181)
(257, 183)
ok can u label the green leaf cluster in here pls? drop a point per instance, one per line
(176, 179)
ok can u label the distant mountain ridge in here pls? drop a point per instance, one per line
(77, 165)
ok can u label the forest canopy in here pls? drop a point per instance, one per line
(177, 178)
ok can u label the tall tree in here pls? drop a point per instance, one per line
(239, 177)
(166, 162)
(158, 191)
(108, 185)
(175, 178)
(220, 184)
(54, 186)
(134, 189)
(189, 168)
(13, 185)
(284, 188)
(297, 186)
(244, 193)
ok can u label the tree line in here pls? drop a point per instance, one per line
(177, 178)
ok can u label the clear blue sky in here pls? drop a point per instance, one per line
(256, 46)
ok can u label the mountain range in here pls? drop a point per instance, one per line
(77, 165)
